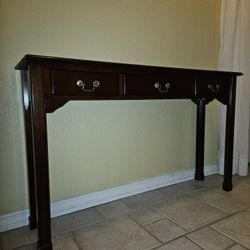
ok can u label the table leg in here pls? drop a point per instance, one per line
(200, 139)
(29, 151)
(229, 138)
(39, 121)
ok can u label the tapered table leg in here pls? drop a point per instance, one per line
(29, 150)
(39, 121)
(229, 137)
(200, 139)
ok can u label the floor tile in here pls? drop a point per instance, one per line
(64, 242)
(191, 205)
(209, 195)
(190, 213)
(173, 191)
(181, 189)
(192, 185)
(143, 199)
(165, 230)
(213, 180)
(239, 179)
(210, 239)
(230, 205)
(75, 220)
(236, 227)
(145, 215)
(241, 191)
(17, 238)
(27, 247)
(117, 233)
(112, 209)
(237, 247)
(180, 244)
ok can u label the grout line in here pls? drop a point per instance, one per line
(20, 247)
(232, 213)
(150, 205)
(195, 243)
(74, 239)
(199, 228)
(54, 235)
(161, 242)
(235, 244)
(218, 231)
(181, 236)
(165, 217)
(229, 247)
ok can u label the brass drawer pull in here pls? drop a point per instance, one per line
(158, 86)
(214, 88)
(81, 85)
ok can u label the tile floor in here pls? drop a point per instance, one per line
(190, 215)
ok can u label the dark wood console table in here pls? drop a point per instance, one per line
(48, 83)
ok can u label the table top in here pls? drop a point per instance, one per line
(49, 60)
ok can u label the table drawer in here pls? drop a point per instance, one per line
(159, 86)
(215, 87)
(84, 83)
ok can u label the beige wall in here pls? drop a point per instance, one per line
(97, 145)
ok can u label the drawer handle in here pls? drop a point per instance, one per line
(214, 88)
(81, 85)
(158, 86)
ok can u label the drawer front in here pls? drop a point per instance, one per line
(83, 83)
(212, 87)
(159, 86)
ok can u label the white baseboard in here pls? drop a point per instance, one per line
(14, 220)
(58, 208)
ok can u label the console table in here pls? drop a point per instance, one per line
(48, 83)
